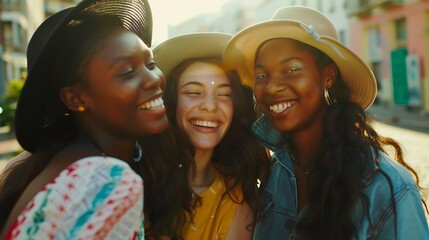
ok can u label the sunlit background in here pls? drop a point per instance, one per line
(168, 13)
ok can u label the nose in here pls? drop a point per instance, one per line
(153, 79)
(209, 103)
(276, 83)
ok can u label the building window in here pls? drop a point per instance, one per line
(332, 6)
(401, 32)
(320, 5)
(374, 43)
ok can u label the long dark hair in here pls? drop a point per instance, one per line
(239, 157)
(337, 182)
(66, 68)
(167, 194)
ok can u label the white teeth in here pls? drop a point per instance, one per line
(201, 123)
(156, 103)
(280, 107)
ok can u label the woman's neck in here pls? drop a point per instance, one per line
(307, 145)
(204, 172)
(108, 146)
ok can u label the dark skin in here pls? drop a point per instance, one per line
(289, 88)
(120, 98)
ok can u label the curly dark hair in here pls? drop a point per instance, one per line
(239, 157)
(336, 184)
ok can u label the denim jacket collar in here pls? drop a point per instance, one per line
(268, 135)
(274, 140)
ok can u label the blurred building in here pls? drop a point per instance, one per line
(392, 37)
(18, 21)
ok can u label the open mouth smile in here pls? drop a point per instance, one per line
(280, 107)
(201, 123)
(153, 104)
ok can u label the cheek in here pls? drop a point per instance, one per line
(183, 107)
(228, 110)
(258, 92)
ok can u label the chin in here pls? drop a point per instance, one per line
(282, 127)
(156, 128)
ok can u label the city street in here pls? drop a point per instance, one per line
(415, 146)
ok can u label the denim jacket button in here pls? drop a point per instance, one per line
(290, 224)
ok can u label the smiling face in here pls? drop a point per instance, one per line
(289, 84)
(122, 92)
(204, 104)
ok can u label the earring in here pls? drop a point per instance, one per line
(138, 154)
(257, 108)
(328, 99)
(81, 109)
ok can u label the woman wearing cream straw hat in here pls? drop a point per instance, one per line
(210, 113)
(331, 178)
(92, 91)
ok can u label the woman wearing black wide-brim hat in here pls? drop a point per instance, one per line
(92, 91)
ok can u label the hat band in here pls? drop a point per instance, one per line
(310, 30)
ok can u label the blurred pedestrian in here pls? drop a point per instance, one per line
(331, 178)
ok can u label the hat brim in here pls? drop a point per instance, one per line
(240, 53)
(173, 51)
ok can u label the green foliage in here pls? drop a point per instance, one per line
(9, 102)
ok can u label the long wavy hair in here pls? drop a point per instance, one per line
(337, 182)
(239, 157)
(167, 193)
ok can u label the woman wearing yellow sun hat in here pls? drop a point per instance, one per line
(331, 178)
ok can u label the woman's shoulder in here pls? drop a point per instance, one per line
(390, 177)
(397, 173)
(95, 174)
(85, 193)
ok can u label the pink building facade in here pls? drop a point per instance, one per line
(393, 38)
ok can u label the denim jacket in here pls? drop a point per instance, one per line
(280, 212)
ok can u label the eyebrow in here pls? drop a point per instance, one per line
(119, 60)
(281, 62)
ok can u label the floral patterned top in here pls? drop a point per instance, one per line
(94, 198)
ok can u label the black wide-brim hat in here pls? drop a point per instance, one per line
(45, 45)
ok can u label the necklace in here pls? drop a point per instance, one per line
(138, 151)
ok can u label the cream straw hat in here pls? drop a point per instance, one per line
(313, 28)
(175, 50)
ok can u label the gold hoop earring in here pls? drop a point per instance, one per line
(81, 109)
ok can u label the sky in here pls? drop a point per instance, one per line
(172, 12)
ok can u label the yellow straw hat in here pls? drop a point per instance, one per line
(313, 28)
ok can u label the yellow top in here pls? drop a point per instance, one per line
(214, 216)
